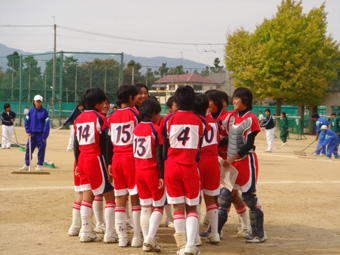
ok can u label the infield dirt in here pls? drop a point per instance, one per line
(300, 198)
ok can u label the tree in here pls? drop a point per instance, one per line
(131, 74)
(31, 77)
(149, 77)
(177, 70)
(13, 61)
(216, 68)
(163, 70)
(288, 58)
(205, 72)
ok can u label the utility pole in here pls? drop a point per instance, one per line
(54, 66)
(133, 75)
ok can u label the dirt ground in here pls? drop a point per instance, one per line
(300, 198)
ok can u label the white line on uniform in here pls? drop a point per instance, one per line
(269, 182)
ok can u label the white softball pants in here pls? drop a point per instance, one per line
(270, 138)
(7, 131)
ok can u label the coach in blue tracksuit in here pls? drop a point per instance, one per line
(319, 122)
(331, 141)
(37, 127)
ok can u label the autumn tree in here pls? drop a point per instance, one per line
(288, 58)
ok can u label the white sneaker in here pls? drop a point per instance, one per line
(137, 242)
(73, 231)
(39, 168)
(86, 237)
(150, 244)
(180, 251)
(284, 144)
(256, 239)
(192, 250)
(267, 151)
(113, 238)
(123, 242)
(213, 238)
(101, 229)
(244, 231)
(24, 168)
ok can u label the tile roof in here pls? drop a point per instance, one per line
(184, 78)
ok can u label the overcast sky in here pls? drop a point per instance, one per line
(189, 21)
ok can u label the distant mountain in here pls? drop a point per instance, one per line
(153, 62)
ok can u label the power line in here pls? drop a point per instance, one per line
(134, 39)
(26, 25)
(117, 37)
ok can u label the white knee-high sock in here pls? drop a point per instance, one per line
(136, 220)
(86, 216)
(155, 220)
(120, 222)
(191, 226)
(110, 209)
(76, 218)
(179, 221)
(243, 216)
(212, 217)
(144, 220)
(98, 210)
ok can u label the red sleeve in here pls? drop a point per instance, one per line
(255, 124)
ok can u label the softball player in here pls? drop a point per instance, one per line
(182, 134)
(242, 129)
(149, 174)
(91, 167)
(122, 164)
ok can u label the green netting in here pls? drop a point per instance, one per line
(60, 78)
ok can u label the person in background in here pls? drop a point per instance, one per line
(27, 108)
(270, 129)
(143, 94)
(337, 124)
(330, 140)
(261, 118)
(332, 121)
(320, 121)
(37, 126)
(7, 121)
(284, 129)
(75, 113)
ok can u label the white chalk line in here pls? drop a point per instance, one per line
(301, 157)
(72, 187)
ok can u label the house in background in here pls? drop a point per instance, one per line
(224, 82)
(166, 86)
